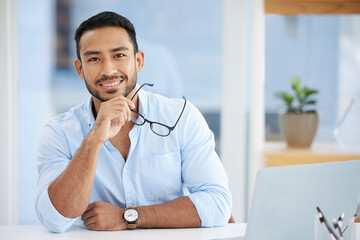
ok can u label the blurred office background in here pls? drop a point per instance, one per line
(190, 48)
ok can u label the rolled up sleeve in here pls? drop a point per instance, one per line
(53, 157)
(203, 173)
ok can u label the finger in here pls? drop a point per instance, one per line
(127, 102)
(123, 113)
(89, 212)
(124, 109)
(118, 103)
(126, 106)
(122, 121)
(87, 215)
(89, 221)
(89, 208)
(130, 103)
(123, 116)
(92, 227)
(118, 110)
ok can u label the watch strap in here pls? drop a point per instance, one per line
(130, 225)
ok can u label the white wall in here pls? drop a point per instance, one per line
(233, 111)
(8, 110)
(242, 115)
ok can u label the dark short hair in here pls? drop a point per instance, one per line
(105, 19)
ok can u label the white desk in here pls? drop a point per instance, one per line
(20, 232)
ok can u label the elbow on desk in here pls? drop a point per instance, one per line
(53, 227)
(219, 219)
(223, 216)
(50, 218)
(223, 205)
(217, 211)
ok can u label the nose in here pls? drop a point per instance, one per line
(108, 68)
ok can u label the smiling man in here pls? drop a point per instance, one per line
(127, 158)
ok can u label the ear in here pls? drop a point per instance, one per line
(139, 60)
(79, 68)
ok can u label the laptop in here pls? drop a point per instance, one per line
(285, 199)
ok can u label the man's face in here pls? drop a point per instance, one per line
(108, 63)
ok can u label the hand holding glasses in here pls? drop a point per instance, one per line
(158, 128)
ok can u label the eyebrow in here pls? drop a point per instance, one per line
(87, 53)
(119, 49)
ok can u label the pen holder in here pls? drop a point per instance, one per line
(351, 232)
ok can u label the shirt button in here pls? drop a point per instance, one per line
(106, 143)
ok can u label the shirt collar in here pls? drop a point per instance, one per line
(90, 114)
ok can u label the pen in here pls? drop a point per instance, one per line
(340, 220)
(337, 231)
(337, 224)
(326, 225)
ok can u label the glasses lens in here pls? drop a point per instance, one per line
(137, 119)
(160, 129)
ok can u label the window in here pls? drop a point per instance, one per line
(325, 52)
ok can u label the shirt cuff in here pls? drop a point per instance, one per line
(50, 217)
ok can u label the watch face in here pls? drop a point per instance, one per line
(131, 215)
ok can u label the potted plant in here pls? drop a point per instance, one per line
(299, 123)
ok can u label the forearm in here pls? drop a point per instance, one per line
(178, 213)
(70, 192)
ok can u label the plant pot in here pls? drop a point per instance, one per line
(299, 129)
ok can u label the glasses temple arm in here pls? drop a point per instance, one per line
(180, 114)
(148, 84)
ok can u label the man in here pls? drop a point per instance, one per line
(139, 159)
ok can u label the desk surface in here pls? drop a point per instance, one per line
(20, 232)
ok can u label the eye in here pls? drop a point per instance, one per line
(119, 55)
(93, 59)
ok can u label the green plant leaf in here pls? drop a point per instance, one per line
(286, 97)
(295, 84)
(310, 102)
(296, 103)
(307, 91)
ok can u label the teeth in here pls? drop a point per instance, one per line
(111, 84)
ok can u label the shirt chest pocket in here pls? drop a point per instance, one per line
(161, 177)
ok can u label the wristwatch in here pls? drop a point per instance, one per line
(131, 216)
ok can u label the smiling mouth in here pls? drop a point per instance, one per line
(110, 84)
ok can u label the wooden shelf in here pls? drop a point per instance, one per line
(295, 7)
(277, 154)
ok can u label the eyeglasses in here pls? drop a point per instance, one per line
(159, 129)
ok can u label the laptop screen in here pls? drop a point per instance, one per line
(285, 198)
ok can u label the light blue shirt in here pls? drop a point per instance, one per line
(157, 169)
